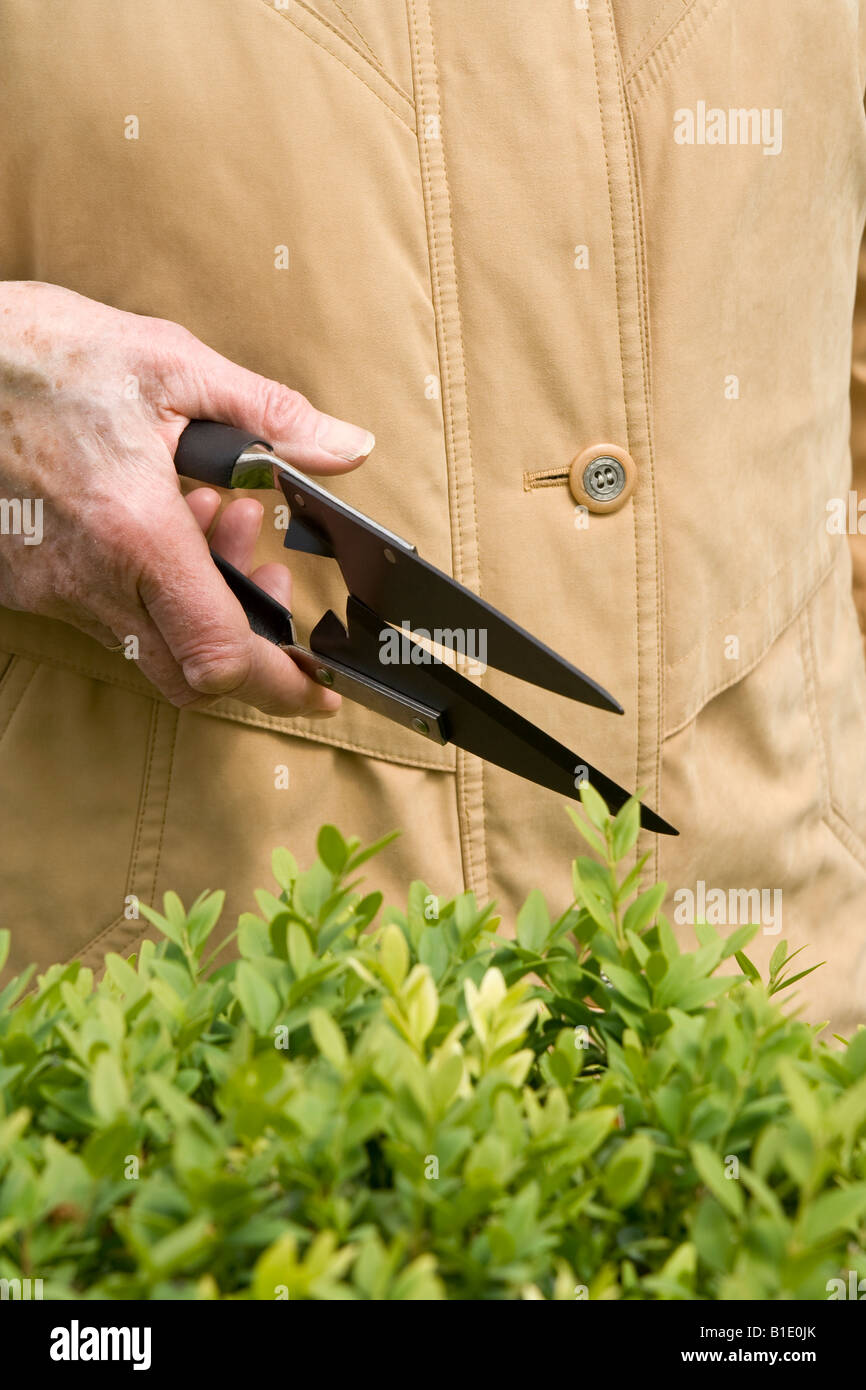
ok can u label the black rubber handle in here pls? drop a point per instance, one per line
(208, 452)
(267, 617)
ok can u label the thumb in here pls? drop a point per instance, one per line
(211, 387)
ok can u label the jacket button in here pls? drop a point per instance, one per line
(602, 478)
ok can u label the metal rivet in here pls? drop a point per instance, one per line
(301, 500)
(420, 726)
(390, 556)
(324, 676)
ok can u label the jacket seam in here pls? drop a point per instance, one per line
(369, 47)
(807, 657)
(94, 948)
(453, 370)
(842, 832)
(246, 721)
(82, 953)
(144, 795)
(677, 39)
(613, 254)
(629, 422)
(641, 278)
(316, 17)
(741, 674)
(747, 602)
(341, 38)
(6, 669)
(831, 813)
(466, 764)
(21, 693)
(345, 744)
(89, 673)
(635, 59)
(169, 775)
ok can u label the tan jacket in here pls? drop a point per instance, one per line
(499, 234)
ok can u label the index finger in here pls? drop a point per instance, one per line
(208, 633)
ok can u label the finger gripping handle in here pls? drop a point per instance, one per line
(266, 616)
(208, 452)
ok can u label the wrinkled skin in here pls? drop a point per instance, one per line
(92, 403)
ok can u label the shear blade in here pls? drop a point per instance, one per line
(472, 718)
(493, 731)
(390, 577)
(411, 589)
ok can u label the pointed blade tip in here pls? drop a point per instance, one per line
(596, 696)
(656, 824)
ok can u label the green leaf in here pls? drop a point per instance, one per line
(300, 951)
(587, 1130)
(393, 956)
(433, 951)
(363, 855)
(855, 1057)
(832, 1212)
(711, 1171)
(121, 973)
(785, 981)
(592, 837)
(712, 1236)
(12, 1127)
(587, 893)
(258, 998)
(312, 889)
(418, 1282)
(254, 936)
(594, 806)
(804, 1100)
(421, 1003)
(169, 924)
(533, 922)
(639, 950)
(332, 849)
(184, 1248)
(643, 910)
(626, 827)
(777, 959)
(108, 1091)
(284, 868)
(668, 943)
(749, 970)
(628, 1172)
(734, 942)
(329, 1038)
(631, 986)
(203, 917)
(696, 993)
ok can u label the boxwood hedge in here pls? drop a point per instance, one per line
(430, 1107)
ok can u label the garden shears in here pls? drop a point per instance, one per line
(393, 591)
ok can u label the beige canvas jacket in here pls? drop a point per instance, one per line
(503, 235)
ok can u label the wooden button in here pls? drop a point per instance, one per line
(602, 478)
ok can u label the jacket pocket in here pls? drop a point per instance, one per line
(331, 28)
(340, 19)
(652, 43)
(84, 772)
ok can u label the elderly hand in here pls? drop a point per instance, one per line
(92, 403)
